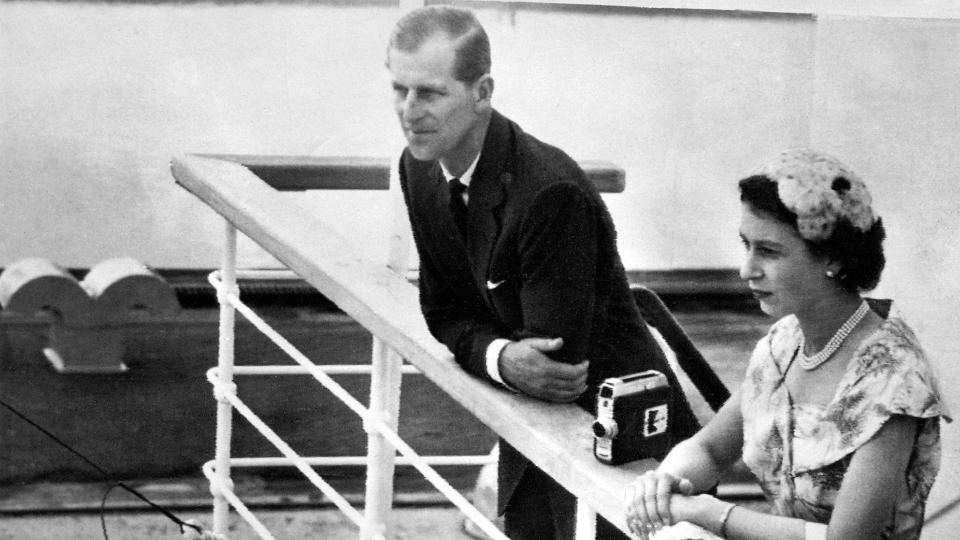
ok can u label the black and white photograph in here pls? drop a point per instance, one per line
(479, 269)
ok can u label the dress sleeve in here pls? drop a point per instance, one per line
(890, 376)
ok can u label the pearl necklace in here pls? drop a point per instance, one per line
(813, 362)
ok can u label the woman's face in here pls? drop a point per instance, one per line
(779, 268)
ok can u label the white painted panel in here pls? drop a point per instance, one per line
(887, 101)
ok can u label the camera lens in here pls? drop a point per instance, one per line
(605, 428)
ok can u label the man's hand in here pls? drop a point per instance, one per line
(524, 366)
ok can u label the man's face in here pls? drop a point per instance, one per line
(439, 115)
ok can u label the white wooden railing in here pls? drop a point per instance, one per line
(557, 438)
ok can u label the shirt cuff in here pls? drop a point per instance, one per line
(814, 531)
(493, 360)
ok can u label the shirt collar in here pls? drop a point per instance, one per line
(467, 174)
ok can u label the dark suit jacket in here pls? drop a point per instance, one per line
(539, 259)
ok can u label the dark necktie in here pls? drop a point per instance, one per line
(458, 208)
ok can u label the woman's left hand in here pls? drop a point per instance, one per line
(648, 501)
(642, 520)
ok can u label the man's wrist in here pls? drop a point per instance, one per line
(814, 531)
(494, 350)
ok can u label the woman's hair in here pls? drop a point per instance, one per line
(860, 254)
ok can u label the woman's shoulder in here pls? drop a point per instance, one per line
(893, 348)
(888, 375)
(891, 367)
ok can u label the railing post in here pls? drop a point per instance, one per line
(586, 522)
(385, 381)
(384, 404)
(225, 360)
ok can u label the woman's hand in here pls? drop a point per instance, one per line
(648, 501)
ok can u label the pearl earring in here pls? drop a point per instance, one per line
(831, 274)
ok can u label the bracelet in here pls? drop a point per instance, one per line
(724, 516)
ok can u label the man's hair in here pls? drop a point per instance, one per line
(459, 25)
(860, 254)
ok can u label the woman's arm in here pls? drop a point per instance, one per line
(737, 524)
(874, 481)
(702, 458)
(871, 486)
(692, 465)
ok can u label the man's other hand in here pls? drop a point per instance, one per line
(525, 366)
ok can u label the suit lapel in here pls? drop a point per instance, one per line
(487, 195)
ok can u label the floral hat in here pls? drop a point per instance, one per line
(820, 190)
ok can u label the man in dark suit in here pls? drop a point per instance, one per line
(519, 272)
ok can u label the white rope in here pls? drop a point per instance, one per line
(339, 461)
(330, 369)
(370, 420)
(227, 493)
(285, 449)
(293, 352)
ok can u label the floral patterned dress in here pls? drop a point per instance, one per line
(800, 453)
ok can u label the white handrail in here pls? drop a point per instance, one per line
(319, 461)
(330, 369)
(555, 437)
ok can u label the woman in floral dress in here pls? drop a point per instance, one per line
(838, 415)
